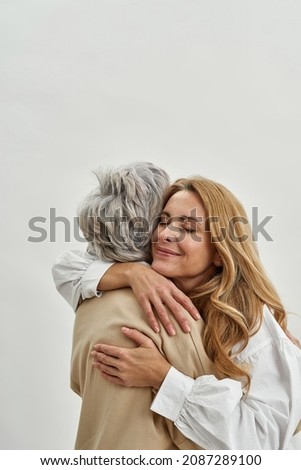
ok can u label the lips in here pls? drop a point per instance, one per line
(161, 251)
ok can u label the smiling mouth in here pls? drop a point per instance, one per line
(166, 252)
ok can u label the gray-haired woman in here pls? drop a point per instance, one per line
(117, 219)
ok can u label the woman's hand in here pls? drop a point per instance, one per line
(159, 296)
(142, 366)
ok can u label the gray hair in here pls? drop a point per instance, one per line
(118, 217)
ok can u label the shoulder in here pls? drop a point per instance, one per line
(117, 299)
(269, 341)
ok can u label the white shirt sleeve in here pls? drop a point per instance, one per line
(76, 275)
(195, 406)
(217, 415)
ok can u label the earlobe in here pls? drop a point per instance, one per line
(217, 260)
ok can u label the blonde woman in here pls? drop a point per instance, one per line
(203, 244)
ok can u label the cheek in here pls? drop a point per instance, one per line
(154, 238)
(202, 250)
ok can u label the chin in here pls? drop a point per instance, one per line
(162, 269)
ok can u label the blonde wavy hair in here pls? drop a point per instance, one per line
(231, 302)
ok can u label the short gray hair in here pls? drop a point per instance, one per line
(118, 217)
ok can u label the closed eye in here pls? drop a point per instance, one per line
(163, 220)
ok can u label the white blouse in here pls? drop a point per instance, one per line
(216, 414)
(76, 275)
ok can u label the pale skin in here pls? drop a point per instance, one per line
(154, 292)
(142, 366)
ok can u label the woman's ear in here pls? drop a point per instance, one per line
(217, 261)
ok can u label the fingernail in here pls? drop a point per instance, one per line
(172, 331)
(187, 329)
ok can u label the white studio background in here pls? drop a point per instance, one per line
(195, 86)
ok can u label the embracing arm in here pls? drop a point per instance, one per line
(143, 366)
(154, 292)
(217, 415)
(76, 275)
(79, 275)
(213, 413)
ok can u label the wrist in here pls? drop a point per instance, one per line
(161, 374)
(129, 273)
(132, 271)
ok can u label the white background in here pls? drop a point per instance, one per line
(195, 86)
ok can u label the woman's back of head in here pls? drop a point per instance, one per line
(118, 216)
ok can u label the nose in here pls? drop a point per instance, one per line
(168, 233)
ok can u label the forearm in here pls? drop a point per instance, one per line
(157, 295)
(119, 275)
(238, 423)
